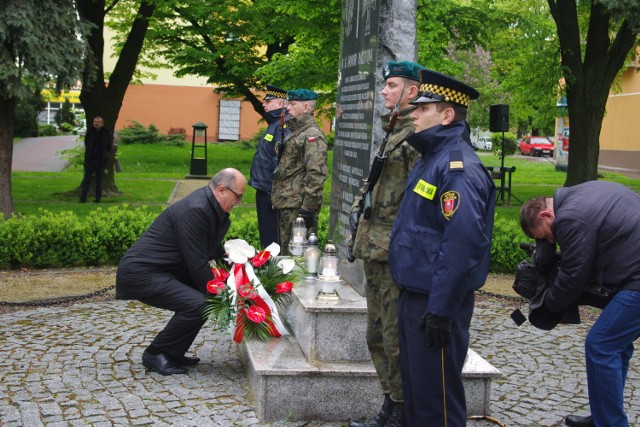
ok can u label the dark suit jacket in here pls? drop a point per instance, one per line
(179, 243)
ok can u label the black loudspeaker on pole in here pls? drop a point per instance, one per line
(499, 122)
(499, 118)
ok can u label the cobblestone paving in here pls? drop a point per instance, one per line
(80, 365)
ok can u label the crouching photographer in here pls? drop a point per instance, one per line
(597, 228)
(536, 275)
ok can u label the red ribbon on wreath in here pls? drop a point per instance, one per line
(246, 291)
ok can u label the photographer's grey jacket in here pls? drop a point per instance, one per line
(597, 226)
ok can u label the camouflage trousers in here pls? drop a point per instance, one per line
(382, 327)
(286, 219)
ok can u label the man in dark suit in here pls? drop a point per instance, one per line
(98, 142)
(168, 267)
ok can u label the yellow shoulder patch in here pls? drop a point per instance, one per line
(458, 164)
(426, 190)
(268, 137)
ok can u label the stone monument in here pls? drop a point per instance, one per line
(323, 371)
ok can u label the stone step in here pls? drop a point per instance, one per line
(286, 385)
(323, 371)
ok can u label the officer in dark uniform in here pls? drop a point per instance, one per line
(439, 252)
(265, 162)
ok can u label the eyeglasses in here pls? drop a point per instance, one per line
(238, 196)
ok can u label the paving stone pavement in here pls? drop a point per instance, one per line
(81, 365)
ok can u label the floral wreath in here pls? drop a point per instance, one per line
(246, 298)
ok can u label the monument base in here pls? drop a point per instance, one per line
(323, 371)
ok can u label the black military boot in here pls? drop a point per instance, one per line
(397, 416)
(381, 419)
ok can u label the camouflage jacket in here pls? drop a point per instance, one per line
(373, 236)
(300, 176)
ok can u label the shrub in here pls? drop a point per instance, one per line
(47, 130)
(49, 240)
(177, 131)
(330, 140)
(505, 246)
(61, 240)
(74, 155)
(138, 134)
(510, 143)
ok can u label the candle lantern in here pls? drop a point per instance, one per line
(298, 239)
(312, 256)
(328, 277)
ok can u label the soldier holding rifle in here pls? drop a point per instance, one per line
(372, 216)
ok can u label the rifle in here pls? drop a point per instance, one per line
(377, 165)
(372, 179)
(280, 144)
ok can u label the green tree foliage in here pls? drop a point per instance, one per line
(240, 46)
(30, 101)
(65, 115)
(31, 49)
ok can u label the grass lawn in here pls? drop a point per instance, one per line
(150, 173)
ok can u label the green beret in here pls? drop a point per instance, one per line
(406, 69)
(301, 95)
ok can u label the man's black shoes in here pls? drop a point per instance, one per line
(162, 364)
(185, 360)
(576, 421)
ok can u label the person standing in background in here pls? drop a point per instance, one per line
(265, 161)
(98, 143)
(299, 179)
(371, 238)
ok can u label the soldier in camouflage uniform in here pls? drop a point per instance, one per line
(299, 178)
(372, 240)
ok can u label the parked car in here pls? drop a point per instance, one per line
(483, 143)
(536, 146)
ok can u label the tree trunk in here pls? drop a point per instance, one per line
(7, 121)
(588, 81)
(99, 99)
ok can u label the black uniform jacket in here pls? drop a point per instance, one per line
(441, 238)
(265, 161)
(180, 242)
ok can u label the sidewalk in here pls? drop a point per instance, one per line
(39, 154)
(81, 365)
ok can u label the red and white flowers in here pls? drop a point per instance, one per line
(248, 295)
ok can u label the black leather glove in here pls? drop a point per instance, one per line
(437, 330)
(307, 216)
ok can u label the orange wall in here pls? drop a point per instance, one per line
(181, 107)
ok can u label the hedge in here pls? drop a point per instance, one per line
(49, 240)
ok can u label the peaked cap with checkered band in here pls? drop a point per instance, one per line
(436, 87)
(275, 92)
